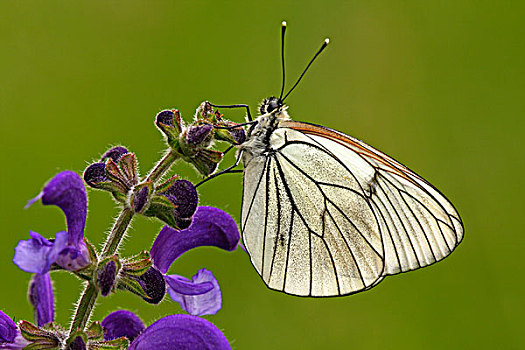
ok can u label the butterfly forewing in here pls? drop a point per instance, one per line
(418, 225)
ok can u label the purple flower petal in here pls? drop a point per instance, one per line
(37, 254)
(122, 323)
(10, 336)
(210, 227)
(182, 285)
(114, 153)
(42, 299)
(197, 134)
(77, 344)
(191, 297)
(95, 173)
(184, 195)
(74, 258)
(8, 329)
(181, 332)
(66, 190)
(165, 117)
(152, 282)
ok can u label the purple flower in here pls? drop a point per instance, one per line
(210, 227)
(184, 196)
(170, 332)
(10, 336)
(66, 190)
(122, 323)
(196, 135)
(42, 298)
(200, 296)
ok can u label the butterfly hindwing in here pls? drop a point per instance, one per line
(308, 234)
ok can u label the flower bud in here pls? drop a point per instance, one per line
(198, 135)
(116, 172)
(174, 202)
(107, 274)
(114, 153)
(150, 285)
(170, 124)
(141, 196)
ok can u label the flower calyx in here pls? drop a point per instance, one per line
(38, 337)
(138, 276)
(137, 265)
(149, 285)
(106, 274)
(174, 202)
(115, 172)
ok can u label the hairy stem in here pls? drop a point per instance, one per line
(84, 308)
(116, 235)
(162, 166)
(87, 301)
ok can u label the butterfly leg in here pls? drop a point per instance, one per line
(225, 171)
(249, 115)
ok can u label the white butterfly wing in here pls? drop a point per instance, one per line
(418, 225)
(306, 222)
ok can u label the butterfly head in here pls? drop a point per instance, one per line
(271, 105)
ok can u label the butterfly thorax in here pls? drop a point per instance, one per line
(258, 140)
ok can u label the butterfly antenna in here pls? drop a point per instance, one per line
(325, 43)
(283, 30)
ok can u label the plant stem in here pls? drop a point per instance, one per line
(162, 166)
(84, 308)
(87, 301)
(119, 229)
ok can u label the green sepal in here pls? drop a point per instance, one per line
(110, 186)
(120, 197)
(41, 346)
(172, 132)
(160, 202)
(95, 331)
(224, 135)
(92, 251)
(166, 185)
(128, 165)
(138, 264)
(121, 343)
(39, 338)
(185, 149)
(114, 173)
(161, 213)
(127, 282)
(206, 161)
(163, 209)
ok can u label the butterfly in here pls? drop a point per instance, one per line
(325, 214)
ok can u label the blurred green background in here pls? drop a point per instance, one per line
(438, 85)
